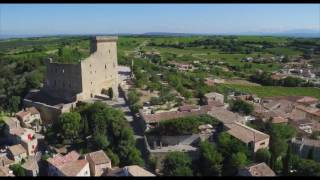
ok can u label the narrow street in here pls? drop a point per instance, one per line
(134, 123)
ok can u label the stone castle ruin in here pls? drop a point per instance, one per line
(66, 84)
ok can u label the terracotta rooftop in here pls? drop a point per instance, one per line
(32, 110)
(314, 111)
(135, 170)
(99, 157)
(245, 133)
(30, 164)
(4, 171)
(279, 119)
(261, 169)
(224, 115)
(73, 168)
(60, 160)
(22, 114)
(4, 161)
(17, 149)
(307, 100)
(11, 122)
(271, 105)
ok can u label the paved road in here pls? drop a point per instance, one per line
(134, 123)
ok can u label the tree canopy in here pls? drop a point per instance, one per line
(177, 164)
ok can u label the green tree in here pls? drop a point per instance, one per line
(238, 160)
(177, 164)
(101, 140)
(287, 162)
(210, 160)
(17, 170)
(311, 153)
(60, 52)
(242, 106)
(133, 97)
(112, 126)
(33, 80)
(70, 125)
(277, 148)
(86, 129)
(134, 157)
(263, 155)
(113, 157)
(305, 167)
(14, 103)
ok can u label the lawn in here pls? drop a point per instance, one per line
(269, 91)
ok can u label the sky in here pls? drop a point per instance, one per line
(140, 18)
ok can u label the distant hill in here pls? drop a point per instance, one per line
(304, 33)
(169, 34)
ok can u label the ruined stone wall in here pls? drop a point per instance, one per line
(63, 81)
(48, 113)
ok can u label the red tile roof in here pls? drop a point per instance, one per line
(60, 160)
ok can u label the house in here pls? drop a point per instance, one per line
(248, 97)
(30, 118)
(5, 172)
(152, 120)
(68, 165)
(308, 112)
(15, 134)
(304, 146)
(17, 152)
(98, 162)
(278, 76)
(133, 170)
(214, 98)
(5, 161)
(253, 138)
(260, 169)
(31, 166)
(304, 126)
(225, 116)
(12, 129)
(279, 120)
(308, 101)
(29, 141)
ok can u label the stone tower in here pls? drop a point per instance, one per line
(100, 70)
(84, 80)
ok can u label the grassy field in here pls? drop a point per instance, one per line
(269, 91)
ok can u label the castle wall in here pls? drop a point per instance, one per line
(63, 80)
(48, 113)
(100, 70)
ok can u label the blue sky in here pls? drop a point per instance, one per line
(141, 18)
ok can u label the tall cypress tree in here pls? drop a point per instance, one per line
(287, 162)
(310, 153)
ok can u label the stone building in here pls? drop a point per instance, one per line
(99, 162)
(66, 84)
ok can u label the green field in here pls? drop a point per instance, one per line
(269, 91)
